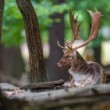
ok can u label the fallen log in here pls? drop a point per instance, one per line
(87, 98)
(44, 85)
(12, 104)
(68, 93)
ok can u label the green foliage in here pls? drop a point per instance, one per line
(12, 24)
(103, 6)
(13, 28)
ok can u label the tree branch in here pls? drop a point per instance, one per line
(44, 86)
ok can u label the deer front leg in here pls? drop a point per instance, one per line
(72, 83)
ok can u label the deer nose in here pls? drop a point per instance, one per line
(59, 64)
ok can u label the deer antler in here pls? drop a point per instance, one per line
(75, 30)
(61, 46)
(96, 18)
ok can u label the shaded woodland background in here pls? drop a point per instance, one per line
(54, 25)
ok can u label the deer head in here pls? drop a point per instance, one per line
(70, 53)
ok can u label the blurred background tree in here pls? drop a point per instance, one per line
(52, 13)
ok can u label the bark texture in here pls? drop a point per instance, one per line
(38, 73)
(44, 86)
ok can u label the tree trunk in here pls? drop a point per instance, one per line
(12, 64)
(97, 54)
(1, 16)
(38, 73)
(56, 33)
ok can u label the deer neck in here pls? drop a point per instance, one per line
(78, 64)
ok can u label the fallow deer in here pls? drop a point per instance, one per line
(83, 72)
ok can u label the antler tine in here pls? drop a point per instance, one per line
(61, 46)
(96, 18)
(75, 28)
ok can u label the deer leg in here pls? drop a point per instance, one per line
(72, 83)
